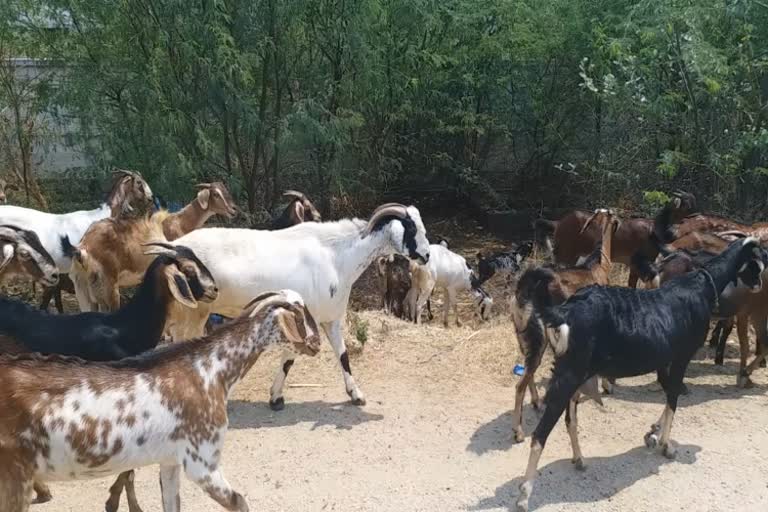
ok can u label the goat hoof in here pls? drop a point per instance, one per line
(42, 498)
(763, 363)
(651, 440)
(358, 401)
(669, 451)
(277, 405)
(579, 464)
(719, 361)
(745, 383)
(518, 436)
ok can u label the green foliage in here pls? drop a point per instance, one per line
(487, 102)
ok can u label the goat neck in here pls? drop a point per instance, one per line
(607, 229)
(354, 252)
(147, 312)
(225, 357)
(724, 267)
(186, 220)
(662, 224)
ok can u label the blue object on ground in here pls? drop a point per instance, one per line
(519, 370)
(217, 319)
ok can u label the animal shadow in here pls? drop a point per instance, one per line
(343, 416)
(496, 435)
(560, 483)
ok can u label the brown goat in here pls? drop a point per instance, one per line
(22, 255)
(595, 270)
(128, 188)
(213, 199)
(64, 418)
(394, 281)
(738, 307)
(6, 187)
(634, 235)
(110, 254)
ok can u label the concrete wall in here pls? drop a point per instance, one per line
(58, 151)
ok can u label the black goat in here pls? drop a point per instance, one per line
(299, 210)
(134, 328)
(620, 332)
(503, 262)
(176, 274)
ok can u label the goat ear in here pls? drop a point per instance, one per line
(290, 327)
(8, 253)
(203, 197)
(179, 288)
(298, 210)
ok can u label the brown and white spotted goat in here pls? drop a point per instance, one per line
(67, 419)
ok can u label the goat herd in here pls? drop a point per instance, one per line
(91, 394)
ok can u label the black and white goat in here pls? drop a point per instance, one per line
(620, 332)
(502, 262)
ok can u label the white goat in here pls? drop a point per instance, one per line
(129, 187)
(450, 272)
(320, 261)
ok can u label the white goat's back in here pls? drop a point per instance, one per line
(51, 227)
(246, 263)
(448, 269)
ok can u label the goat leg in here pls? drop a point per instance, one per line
(217, 487)
(43, 493)
(170, 484)
(517, 415)
(124, 480)
(130, 492)
(15, 490)
(742, 328)
(723, 329)
(276, 400)
(335, 334)
(572, 424)
(562, 389)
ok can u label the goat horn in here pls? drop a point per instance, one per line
(589, 221)
(204, 185)
(10, 233)
(386, 210)
(159, 248)
(294, 193)
(734, 232)
(264, 300)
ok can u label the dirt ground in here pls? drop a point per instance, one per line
(435, 435)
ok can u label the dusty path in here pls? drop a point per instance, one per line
(435, 437)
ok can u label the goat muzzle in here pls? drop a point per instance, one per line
(311, 345)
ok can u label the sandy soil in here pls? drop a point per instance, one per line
(435, 436)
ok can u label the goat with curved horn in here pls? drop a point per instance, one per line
(320, 261)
